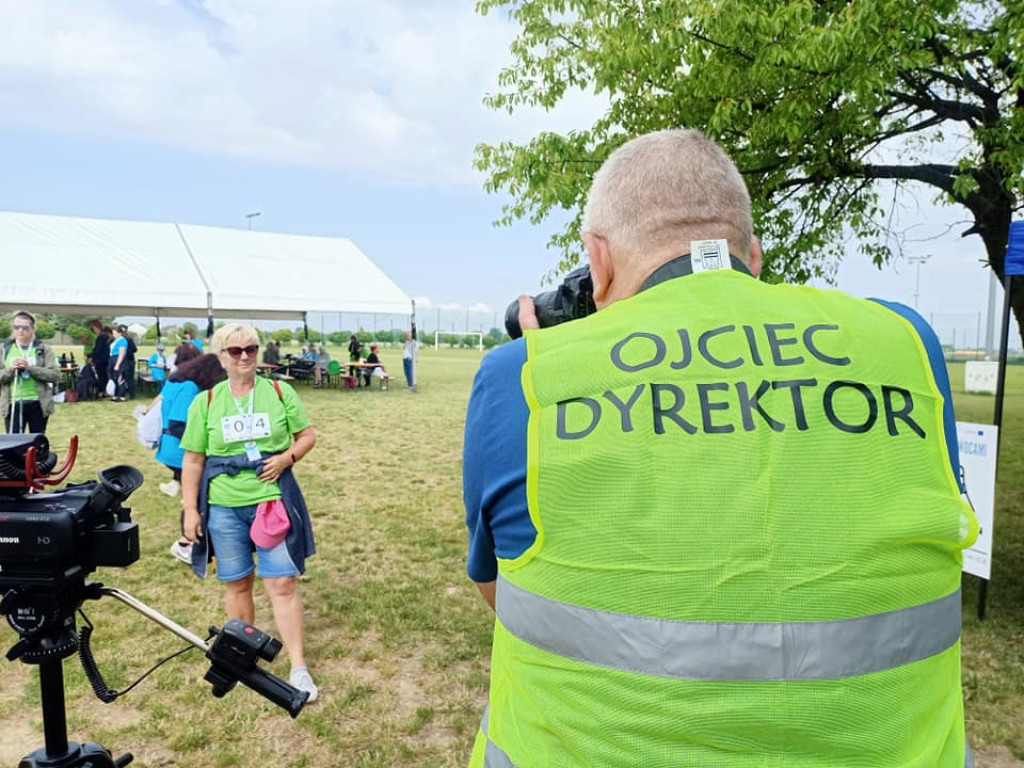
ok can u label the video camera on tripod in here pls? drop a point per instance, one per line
(49, 544)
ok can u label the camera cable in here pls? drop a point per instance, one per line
(92, 671)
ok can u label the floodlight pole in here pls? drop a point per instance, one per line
(919, 260)
(250, 216)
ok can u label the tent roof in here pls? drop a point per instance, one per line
(87, 266)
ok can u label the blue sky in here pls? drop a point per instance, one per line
(340, 118)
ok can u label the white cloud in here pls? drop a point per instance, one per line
(389, 88)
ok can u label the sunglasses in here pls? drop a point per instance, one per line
(19, 327)
(236, 352)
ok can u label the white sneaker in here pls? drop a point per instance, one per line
(182, 552)
(171, 488)
(301, 679)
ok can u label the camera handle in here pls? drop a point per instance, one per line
(225, 670)
(223, 674)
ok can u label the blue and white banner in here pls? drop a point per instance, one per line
(1015, 249)
(978, 458)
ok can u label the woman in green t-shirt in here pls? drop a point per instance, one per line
(241, 440)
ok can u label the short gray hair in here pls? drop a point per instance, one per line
(659, 191)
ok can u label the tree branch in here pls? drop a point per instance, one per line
(951, 110)
(941, 176)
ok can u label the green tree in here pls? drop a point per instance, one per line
(282, 335)
(5, 328)
(836, 112)
(79, 334)
(45, 329)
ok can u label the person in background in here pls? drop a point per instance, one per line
(129, 362)
(191, 337)
(272, 354)
(118, 365)
(101, 353)
(197, 374)
(372, 359)
(28, 373)
(355, 348)
(158, 366)
(309, 353)
(182, 354)
(87, 380)
(241, 442)
(322, 359)
(410, 354)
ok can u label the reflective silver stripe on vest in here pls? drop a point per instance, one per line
(696, 650)
(494, 756)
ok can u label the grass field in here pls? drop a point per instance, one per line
(397, 637)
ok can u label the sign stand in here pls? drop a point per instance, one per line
(1013, 266)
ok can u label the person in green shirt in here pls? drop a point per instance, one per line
(241, 440)
(28, 372)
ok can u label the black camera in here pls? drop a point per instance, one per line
(83, 525)
(49, 544)
(573, 299)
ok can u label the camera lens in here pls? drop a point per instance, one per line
(512, 320)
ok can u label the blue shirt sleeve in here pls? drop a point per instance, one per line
(494, 464)
(938, 364)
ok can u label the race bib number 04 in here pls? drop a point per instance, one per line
(245, 427)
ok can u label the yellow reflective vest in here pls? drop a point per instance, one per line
(749, 539)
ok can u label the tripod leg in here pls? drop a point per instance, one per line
(55, 726)
(58, 753)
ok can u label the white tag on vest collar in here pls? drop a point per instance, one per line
(708, 255)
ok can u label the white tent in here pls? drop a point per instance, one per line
(93, 266)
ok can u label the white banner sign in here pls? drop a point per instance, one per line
(981, 376)
(978, 458)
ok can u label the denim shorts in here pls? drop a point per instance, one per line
(228, 528)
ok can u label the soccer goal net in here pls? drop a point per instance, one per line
(458, 340)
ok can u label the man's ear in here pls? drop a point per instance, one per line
(602, 272)
(755, 257)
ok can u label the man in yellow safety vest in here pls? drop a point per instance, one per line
(720, 521)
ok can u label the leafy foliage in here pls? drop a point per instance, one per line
(45, 329)
(80, 334)
(282, 335)
(833, 110)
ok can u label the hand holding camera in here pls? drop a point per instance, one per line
(573, 299)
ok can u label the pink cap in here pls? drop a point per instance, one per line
(270, 525)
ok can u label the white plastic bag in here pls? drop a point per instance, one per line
(111, 387)
(150, 427)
